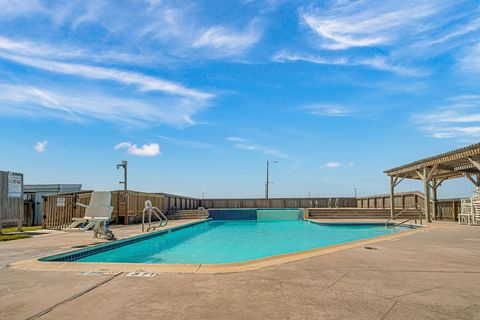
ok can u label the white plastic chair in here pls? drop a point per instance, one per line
(97, 215)
(475, 218)
(466, 210)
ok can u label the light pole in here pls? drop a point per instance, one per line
(124, 166)
(267, 182)
(123, 205)
(355, 190)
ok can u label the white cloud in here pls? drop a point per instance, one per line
(327, 110)
(41, 146)
(64, 52)
(364, 24)
(187, 143)
(66, 103)
(227, 42)
(390, 35)
(235, 139)
(12, 9)
(146, 150)
(244, 144)
(144, 82)
(471, 59)
(460, 119)
(376, 62)
(332, 164)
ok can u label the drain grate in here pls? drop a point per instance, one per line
(141, 274)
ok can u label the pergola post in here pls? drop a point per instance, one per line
(392, 196)
(426, 188)
(434, 198)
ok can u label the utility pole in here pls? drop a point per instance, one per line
(267, 181)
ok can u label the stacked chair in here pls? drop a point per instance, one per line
(470, 210)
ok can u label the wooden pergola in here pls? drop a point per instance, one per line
(433, 171)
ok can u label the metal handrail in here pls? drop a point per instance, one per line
(416, 206)
(157, 212)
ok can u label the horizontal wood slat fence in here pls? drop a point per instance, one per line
(401, 200)
(279, 203)
(446, 209)
(59, 209)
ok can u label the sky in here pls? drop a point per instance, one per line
(197, 96)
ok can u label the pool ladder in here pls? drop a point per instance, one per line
(393, 225)
(149, 210)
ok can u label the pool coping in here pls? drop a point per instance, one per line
(39, 264)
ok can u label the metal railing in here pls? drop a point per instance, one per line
(155, 211)
(414, 206)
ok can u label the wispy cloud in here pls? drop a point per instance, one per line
(186, 143)
(144, 82)
(41, 146)
(458, 119)
(365, 24)
(179, 28)
(327, 110)
(244, 144)
(146, 150)
(228, 42)
(12, 9)
(332, 165)
(470, 62)
(394, 36)
(68, 52)
(66, 104)
(375, 62)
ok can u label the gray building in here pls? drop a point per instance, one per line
(33, 193)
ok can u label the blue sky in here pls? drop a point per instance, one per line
(197, 96)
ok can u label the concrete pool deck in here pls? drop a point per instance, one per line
(434, 274)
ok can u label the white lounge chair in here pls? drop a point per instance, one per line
(97, 215)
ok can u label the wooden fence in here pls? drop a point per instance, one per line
(401, 200)
(174, 202)
(11, 199)
(59, 209)
(445, 209)
(279, 203)
(448, 209)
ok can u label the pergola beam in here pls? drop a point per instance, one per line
(474, 162)
(433, 171)
(476, 183)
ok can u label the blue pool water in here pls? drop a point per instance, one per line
(229, 241)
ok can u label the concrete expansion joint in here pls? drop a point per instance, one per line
(75, 296)
(389, 310)
(339, 279)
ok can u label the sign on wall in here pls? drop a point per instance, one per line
(14, 185)
(60, 202)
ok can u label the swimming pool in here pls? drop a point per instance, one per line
(226, 241)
